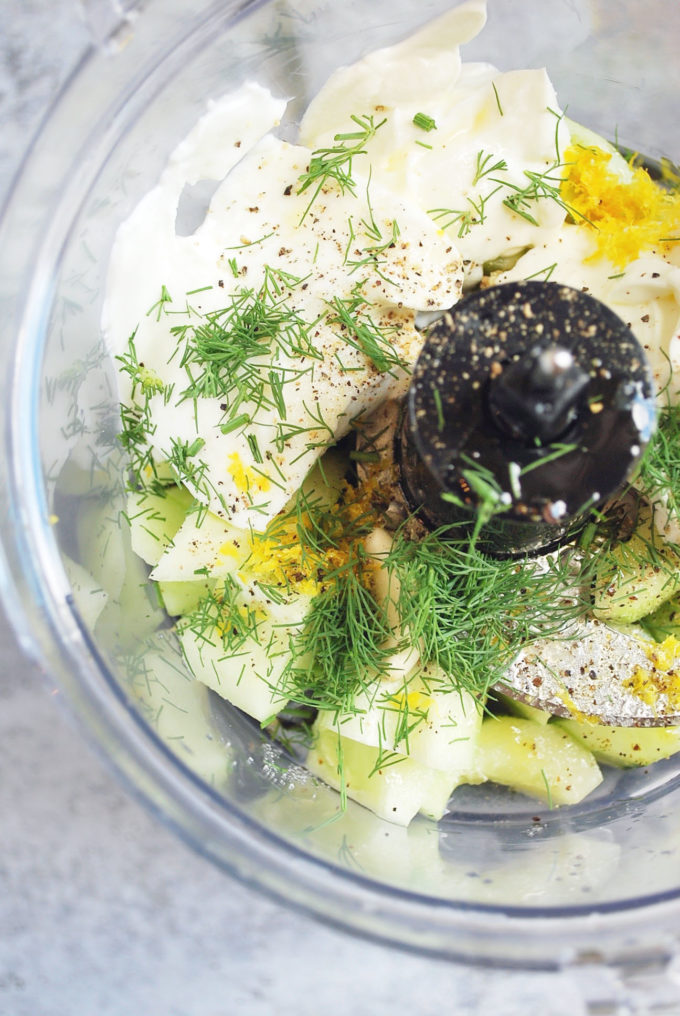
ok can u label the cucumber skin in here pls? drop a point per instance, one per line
(631, 585)
(540, 760)
(624, 747)
(516, 707)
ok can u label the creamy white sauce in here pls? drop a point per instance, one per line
(440, 192)
(513, 117)
(258, 221)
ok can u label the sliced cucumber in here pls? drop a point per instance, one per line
(443, 732)
(418, 717)
(665, 620)
(624, 746)
(204, 544)
(251, 676)
(543, 761)
(155, 518)
(101, 547)
(176, 706)
(396, 790)
(248, 679)
(325, 481)
(518, 708)
(183, 597)
(636, 577)
(132, 610)
(90, 598)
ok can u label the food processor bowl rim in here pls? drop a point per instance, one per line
(48, 626)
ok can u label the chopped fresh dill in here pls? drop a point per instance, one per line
(540, 186)
(424, 121)
(371, 254)
(384, 758)
(479, 486)
(136, 428)
(471, 614)
(447, 217)
(160, 305)
(465, 218)
(358, 329)
(142, 378)
(285, 430)
(136, 418)
(498, 101)
(235, 423)
(344, 640)
(484, 166)
(546, 185)
(660, 469)
(254, 448)
(545, 272)
(251, 243)
(335, 163)
(221, 617)
(228, 353)
(186, 468)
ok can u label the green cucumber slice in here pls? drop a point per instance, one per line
(624, 746)
(542, 761)
(396, 788)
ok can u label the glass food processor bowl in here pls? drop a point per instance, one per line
(501, 878)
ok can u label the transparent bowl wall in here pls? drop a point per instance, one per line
(500, 878)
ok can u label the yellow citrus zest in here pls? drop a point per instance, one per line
(630, 215)
(283, 557)
(662, 677)
(245, 477)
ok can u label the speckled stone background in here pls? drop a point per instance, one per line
(102, 911)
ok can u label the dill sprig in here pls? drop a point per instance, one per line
(137, 426)
(231, 353)
(221, 615)
(376, 246)
(424, 121)
(484, 166)
(472, 614)
(335, 163)
(540, 186)
(143, 379)
(358, 330)
(660, 469)
(344, 640)
(466, 218)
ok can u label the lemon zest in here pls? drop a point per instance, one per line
(627, 215)
(662, 678)
(245, 477)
